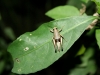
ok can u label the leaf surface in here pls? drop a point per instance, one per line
(34, 51)
(98, 37)
(63, 12)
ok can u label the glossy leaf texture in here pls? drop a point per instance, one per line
(34, 51)
(98, 37)
(63, 12)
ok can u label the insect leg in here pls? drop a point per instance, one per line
(60, 30)
(63, 38)
(58, 43)
(51, 31)
(61, 43)
(55, 46)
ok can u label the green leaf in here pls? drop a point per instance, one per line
(90, 68)
(87, 55)
(76, 3)
(87, 65)
(2, 64)
(9, 33)
(81, 51)
(86, 1)
(98, 37)
(34, 51)
(97, 2)
(63, 12)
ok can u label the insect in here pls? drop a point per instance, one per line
(57, 39)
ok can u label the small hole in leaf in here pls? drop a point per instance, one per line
(26, 49)
(17, 60)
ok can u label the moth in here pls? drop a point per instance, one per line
(57, 39)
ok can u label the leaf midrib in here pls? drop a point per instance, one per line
(51, 39)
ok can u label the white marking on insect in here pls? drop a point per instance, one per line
(57, 39)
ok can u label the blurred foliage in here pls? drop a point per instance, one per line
(85, 1)
(98, 37)
(97, 5)
(20, 16)
(81, 50)
(88, 65)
